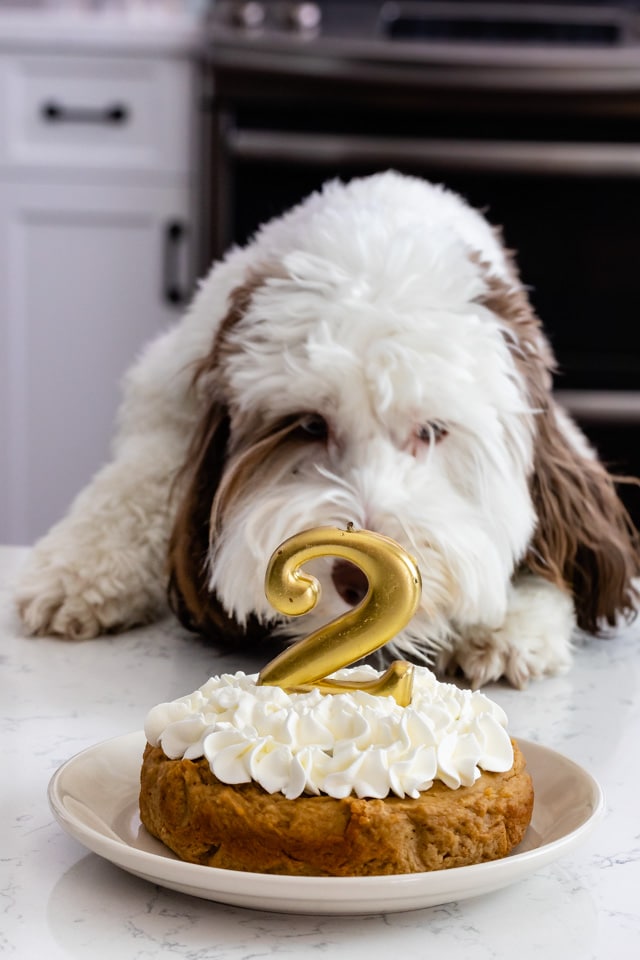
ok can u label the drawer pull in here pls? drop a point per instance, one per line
(113, 115)
(174, 292)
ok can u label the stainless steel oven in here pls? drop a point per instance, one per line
(531, 111)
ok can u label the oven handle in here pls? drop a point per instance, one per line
(496, 156)
(601, 406)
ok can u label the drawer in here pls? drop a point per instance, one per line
(97, 113)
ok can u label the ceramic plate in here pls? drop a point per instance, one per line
(94, 797)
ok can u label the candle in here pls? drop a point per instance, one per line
(390, 603)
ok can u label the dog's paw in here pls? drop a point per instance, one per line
(489, 656)
(81, 600)
(54, 598)
(50, 604)
(534, 641)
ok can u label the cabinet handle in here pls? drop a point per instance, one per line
(115, 114)
(174, 237)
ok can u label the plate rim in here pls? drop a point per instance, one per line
(177, 874)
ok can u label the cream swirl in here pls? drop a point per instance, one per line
(335, 744)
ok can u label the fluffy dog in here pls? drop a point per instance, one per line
(369, 358)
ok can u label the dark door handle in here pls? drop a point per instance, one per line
(112, 115)
(174, 238)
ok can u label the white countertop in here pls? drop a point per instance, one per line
(58, 900)
(67, 29)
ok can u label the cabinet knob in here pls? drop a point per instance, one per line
(248, 14)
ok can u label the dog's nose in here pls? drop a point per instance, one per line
(350, 582)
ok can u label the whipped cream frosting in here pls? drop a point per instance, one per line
(335, 744)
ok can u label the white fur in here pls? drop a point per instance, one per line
(372, 320)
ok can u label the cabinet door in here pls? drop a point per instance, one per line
(87, 276)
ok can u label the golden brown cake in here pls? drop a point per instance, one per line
(243, 827)
(453, 812)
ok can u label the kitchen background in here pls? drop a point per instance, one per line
(139, 138)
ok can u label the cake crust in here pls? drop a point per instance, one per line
(242, 827)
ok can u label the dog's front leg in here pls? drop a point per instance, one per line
(534, 639)
(102, 567)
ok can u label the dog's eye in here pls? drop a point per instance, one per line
(432, 432)
(313, 426)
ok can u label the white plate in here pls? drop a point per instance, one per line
(94, 797)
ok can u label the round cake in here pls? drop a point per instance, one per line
(253, 778)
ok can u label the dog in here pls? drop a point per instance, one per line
(369, 358)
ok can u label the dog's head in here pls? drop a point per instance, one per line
(381, 365)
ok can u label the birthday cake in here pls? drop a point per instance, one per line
(250, 777)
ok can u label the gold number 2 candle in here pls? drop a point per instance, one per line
(390, 603)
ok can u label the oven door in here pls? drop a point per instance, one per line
(564, 189)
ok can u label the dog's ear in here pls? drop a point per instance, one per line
(584, 541)
(206, 484)
(584, 538)
(197, 484)
(189, 597)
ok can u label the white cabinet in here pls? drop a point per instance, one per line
(96, 190)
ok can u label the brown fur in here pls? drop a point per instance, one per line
(189, 597)
(584, 540)
(200, 476)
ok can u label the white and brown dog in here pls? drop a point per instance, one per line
(369, 358)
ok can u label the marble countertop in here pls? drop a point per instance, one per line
(60, 901)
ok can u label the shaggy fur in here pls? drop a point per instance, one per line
(369, 358)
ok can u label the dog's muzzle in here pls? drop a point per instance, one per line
(349, 581)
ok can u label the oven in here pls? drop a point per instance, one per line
(531, 111)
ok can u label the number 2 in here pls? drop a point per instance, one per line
(390, 603)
